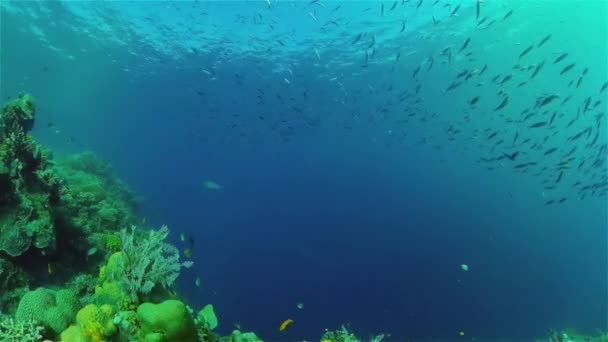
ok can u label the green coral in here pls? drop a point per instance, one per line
(238, 336)
(167, 321)
(14, 331)
(96, 321)
(207, 317)
(54, 310)
(19, 113)
(93, 198)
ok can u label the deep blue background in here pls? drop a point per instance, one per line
(363, 231)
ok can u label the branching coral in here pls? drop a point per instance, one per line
(13, 331)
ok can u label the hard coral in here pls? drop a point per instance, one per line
(54, 310)
(167, 321)
(14, 331)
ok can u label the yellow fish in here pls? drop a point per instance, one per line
(182, 237)
(461, 333)
(50, 268)
(285, 324)
(29, 136)
(197, 282)
(187, 253)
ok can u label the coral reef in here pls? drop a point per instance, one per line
(29, 188)
(59, 222)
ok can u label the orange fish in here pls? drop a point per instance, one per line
(285, 323)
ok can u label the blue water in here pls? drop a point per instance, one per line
(334, 203)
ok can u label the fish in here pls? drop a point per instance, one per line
(551, 150)
(188, 253)
(586, 104)
(454, 85)
(544, 40)
(567, 68)
(211, 185)
(507, 15)
(477, 10)
(357, 38)
(197, 282)
(394, 5)
(182, 237)
(473, 101)
(580, 134)
(537, 69)
(416, 71)
(604, 87)
(522, 165)
(485, 67)
(285, 324)
(372, 42)
(538, 124)
(505, 79)
(312, 16)
(526, 51)
(465, 44)
(511, 156)
(541, 102)
(515, 138)
(560, 58)
(455, 10)
(502, 105)
(402, 27)
(553, 117)
(49, 268)
(462, 73)
(430, 63)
